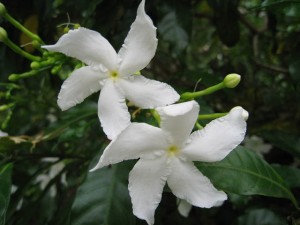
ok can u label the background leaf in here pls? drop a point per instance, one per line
(103, 198)
(291, 174)
(5, 188)
(261, 217)
(243, 172)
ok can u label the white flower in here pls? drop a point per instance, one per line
(3, 134)
(113, 73)
(166, 155)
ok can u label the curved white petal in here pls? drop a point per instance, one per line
(86, 45)
(178, 120)
(146, 182)
(137, 140)
(188, 183)
(140, 44)
(218, 138)
(146, 93)
(82, 83)
(112, 110)
(184, 208)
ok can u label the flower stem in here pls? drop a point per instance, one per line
(207, 91)
(211, 116)
(14, 77)
(21, 27)
(155, 115)
(19, 51)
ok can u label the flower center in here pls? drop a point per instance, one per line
(173, 150)
(114, 74)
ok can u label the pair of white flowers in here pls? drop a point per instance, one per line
(166, 154)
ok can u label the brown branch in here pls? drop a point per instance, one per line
(271, 67)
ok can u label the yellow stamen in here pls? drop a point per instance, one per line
(114, 74)
(173, 150)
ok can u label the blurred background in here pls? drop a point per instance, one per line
(200, 42)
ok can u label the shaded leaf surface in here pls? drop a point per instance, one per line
(291, 175)
(261, 217)
(103, 199)
(5, 187)
(243, 172)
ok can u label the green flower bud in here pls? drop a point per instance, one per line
(2, 9)
(66, 30)
(76, 25)
(3, 34)
(34, 65)
(232, 80)
(13, 77)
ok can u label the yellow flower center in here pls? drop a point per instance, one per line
(114, 74)
(173, 150)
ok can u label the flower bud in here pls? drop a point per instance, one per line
(232, 80)
(34, 65)
(3, 34)
(2, 9)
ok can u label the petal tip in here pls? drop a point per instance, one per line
(244, 113)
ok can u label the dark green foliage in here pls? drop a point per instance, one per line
(44, 162)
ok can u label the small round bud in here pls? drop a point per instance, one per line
(76, 25)
(232, 80)
(13, 77)
(3, 34)
(66, 30)
(2, 9)
(34, 65)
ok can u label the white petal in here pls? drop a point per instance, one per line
(146, 182)
(137, 140)
(218, 138)
(184, 208)
(178, 120)
(186, 182)
(112, 110)
(86, 45)
(146, 93)
(82, 83)
(140, 44)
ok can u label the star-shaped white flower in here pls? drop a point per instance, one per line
(167, 154)
(113, 73)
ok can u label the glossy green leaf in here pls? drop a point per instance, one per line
(261, 217)
(245, 173)
(5, 187)
(103, 198)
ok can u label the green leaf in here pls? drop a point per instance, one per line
(287, 7)
(245, 173)
(286, 141)
(103, 198)
(261, 217)
(172, 31)
(291, 175)
(5, 187)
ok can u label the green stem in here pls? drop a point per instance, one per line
(211, 116)
(22, 28)
(155, 115)
(14, 77)
(19, 51)
(207, 91)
